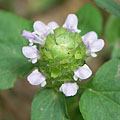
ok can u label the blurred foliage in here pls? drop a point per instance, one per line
(90, 19)
(112, 6)
(12, 62)
(112, 34)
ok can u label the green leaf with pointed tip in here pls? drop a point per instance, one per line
(101, 100)
(112, 6)
(12, 63)
(48, 105)
(112, 33)
(90, 19)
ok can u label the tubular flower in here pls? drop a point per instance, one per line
(40, 32)
(82, 73)
(36, 78)
(31, 52)
(69, 89)
(93, 44)
(71, 23)
(61, 55)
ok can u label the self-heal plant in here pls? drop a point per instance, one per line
(60, 54)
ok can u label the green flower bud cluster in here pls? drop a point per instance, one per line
(62, 53)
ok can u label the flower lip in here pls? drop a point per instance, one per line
(36, 78)
(92, 43)
(69, 89)
(31, 52)
(83, 72)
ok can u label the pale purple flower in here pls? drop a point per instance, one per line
(36, 78)
(82, 73)
(71, 23)
(31, 52)
(40, 33)
(69, 89)
(52, 25)
(92, 43)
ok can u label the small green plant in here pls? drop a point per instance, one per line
(55, 58)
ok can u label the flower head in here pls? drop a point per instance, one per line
(36, 78)
(93, 44)
(69, 89)
(63, 51)
(31, 52)
(61, 54)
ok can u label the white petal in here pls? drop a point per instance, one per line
(93, 54)
(89, 37)
(30, 42)
(40, 27)
(69, 89)
(97, 45)
(40, 39)
(77, 30)
(60, 89)
(53, 25)
(30, 51)
(34, 60)
(36, 78)
(43, 84)
(71, 23)
(83, 72)
(75, 77)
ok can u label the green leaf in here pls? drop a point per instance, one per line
(112, 34)
(111, 6)
(73, 106)
(12, 63)
(48, 105)
(89, 19)
(102, 100)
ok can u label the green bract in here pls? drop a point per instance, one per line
(62, 53)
